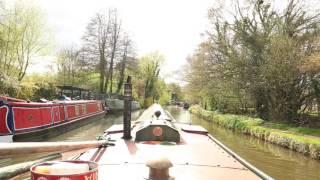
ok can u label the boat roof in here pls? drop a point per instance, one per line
(196, 156)
(72, 88)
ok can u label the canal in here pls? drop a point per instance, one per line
(276, 161)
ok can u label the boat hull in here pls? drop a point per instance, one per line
(52, 131)
(116, 105)
(34, 121)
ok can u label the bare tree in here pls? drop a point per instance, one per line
(96, 43)
(126, 47)
(68, 65)
(114, 39)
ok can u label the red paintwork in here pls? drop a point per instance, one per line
(31, 117)
(3, 123)
(71, 111)
(62, 113)
(31, 104)
(91, 175)
(56, 114)
(92, 107)
(27, 116)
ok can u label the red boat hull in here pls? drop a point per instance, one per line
(22, 118)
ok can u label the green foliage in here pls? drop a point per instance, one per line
(149, 69)
(8, 85)
(73, 71)
(22, 37)
(295, 138)
(162, 93)
(36, 86)
(175, 89)
(293, 129)
(260, 60)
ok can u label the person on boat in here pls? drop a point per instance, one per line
(64, 98)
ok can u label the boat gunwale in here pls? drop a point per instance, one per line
(248, 165)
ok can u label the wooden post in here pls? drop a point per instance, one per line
(127, 109)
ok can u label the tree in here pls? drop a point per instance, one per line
(96, 44)
(123, 62)
(114, 38)
(68, 66)
(22, 38)
(102, 41)
(254, 61)
(149, 69)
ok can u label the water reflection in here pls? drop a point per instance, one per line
(276, 161)
(96, 128)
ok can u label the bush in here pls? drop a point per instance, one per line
(281, 134)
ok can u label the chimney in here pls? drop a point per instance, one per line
(127, 109)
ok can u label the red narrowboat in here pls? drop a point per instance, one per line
(21, 120)
(162, 149)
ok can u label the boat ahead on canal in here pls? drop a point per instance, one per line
(21, 120)
(161, 149)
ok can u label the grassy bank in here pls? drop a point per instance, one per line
(303, 140)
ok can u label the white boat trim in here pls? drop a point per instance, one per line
(6, 138)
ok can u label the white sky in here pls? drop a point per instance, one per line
(171, 27)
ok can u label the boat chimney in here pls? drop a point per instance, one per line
(127, 109)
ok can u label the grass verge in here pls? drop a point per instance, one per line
(303, 140)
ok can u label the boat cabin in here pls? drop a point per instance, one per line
(74, 92)
(157, 129)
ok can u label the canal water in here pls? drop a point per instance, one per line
(276, 161)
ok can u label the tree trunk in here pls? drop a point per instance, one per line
(102, 72)
(122, 71)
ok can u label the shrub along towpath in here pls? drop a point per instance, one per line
(303, 140)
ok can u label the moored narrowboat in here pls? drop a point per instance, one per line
(21, 120)
(186, 105)
(116, 105)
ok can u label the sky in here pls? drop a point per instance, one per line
(172, 27)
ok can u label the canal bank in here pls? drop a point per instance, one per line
(305, 144)
(272, 159)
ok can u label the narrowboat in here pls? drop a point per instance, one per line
(186, 105)
(116, 105)
(156, 147)
(21, 120)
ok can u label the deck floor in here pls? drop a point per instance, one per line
(197, 157)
